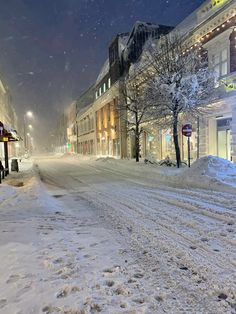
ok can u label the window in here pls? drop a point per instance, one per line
(100, 91)
(112, 55)
(219, 61)
(96, 95)
(104, 87)
(109, 83)
(109, 112)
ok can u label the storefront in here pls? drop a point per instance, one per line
(224, 138)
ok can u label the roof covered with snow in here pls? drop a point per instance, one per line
(86, 99)
(104, 71)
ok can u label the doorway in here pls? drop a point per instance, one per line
(224, 138)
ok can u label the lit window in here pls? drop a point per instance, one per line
(224, 68)
(109, 82)
(104, 87)
(100, 91)
(224, 55)
(219, 62)
(96, 94)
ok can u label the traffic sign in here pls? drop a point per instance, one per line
(187, 130)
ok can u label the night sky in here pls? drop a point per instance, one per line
(52, 50)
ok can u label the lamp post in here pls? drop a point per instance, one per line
(28, 114)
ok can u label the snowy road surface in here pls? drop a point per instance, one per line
(115, 241)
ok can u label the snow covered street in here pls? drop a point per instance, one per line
(109, 236)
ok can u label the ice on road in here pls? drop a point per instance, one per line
(94, 236)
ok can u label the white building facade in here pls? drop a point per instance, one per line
(7, 117)
(212, 28)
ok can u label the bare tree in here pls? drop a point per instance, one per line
(134, 110)
(179, 82)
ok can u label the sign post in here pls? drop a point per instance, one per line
(187, 131)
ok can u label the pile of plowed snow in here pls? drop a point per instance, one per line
(210, 172)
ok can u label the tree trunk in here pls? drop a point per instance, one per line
(176, 140)
(137, 147)
(137, 135)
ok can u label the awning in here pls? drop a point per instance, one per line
(8, 134)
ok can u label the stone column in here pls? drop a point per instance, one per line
(203, 137)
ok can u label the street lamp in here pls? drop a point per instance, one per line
(28, 114)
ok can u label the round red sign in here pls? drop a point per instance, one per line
(187, 130)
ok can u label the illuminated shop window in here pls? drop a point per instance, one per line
(219, 61)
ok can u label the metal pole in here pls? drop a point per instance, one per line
(198, 138)
(189, 151)
(25, 145)
(77, 140)
(6, 158)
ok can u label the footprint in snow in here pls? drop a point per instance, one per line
(112, 270)
(138, 275)
(58, 261)
(93, 244)
(48, 309)
(3, 302)
(67, 290)
(222, 296)
(183, 268)
(139, 300)
(110, 283)
(120, 290)
(13, 278)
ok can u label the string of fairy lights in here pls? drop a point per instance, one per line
(229, 23)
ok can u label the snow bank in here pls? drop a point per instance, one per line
(210, 172)
(24, 188)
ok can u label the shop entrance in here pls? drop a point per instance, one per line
(224, 138)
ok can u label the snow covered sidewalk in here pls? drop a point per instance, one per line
(61, 259)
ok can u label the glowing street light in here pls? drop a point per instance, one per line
(27, 115)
